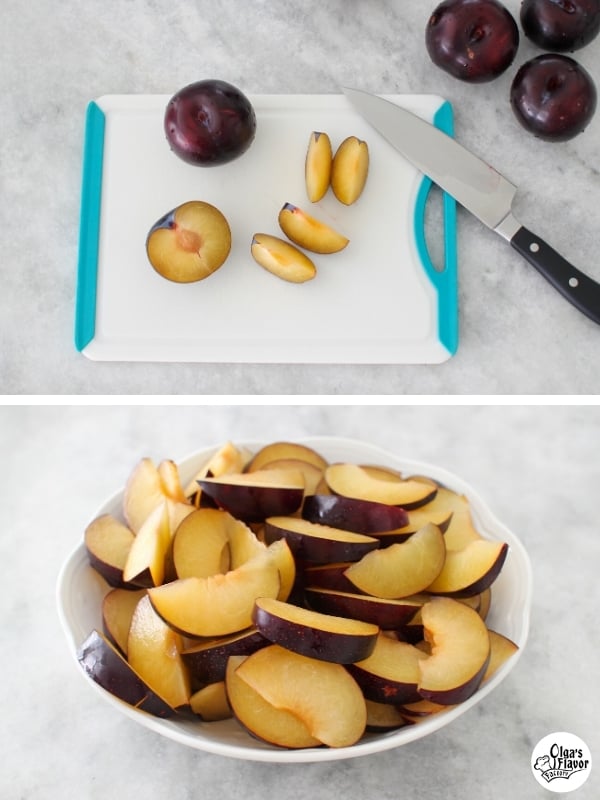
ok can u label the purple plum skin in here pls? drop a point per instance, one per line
(210, 122)
(553, 97)
(472, 40)
(349, 514)
(560, 25)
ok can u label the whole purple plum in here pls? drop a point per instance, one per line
(473, 40)
(209, 122)
(561, 25)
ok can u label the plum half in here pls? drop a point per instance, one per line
(472, 40)
(209, 122)
(553, 97)
(561, 25)
(189, 243)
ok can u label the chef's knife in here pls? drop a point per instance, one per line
(476, 186)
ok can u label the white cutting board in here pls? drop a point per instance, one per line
(380, 300)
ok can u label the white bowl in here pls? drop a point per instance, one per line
(80, 591)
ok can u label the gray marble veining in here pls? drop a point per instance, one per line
(516, 334)
(537, 468)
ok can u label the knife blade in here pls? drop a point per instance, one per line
(479, 188)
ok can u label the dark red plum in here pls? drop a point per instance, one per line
(209, 122)
(561, 25)
(473, 40)
(553, 97)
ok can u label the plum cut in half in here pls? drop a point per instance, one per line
(351, 514)
(209, 122)
(189, 243)
(318, 543)
(322, 636)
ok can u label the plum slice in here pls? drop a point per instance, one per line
(472, 570)
(108, 542)
(220, 604)
(323, 695)
(117, 612)
(351, 480)
(154, 652)
(103, 663)
(460, 651)
(254, 496)
(207, 660)
(277, 726)
(401, 569)
(353, 514)
(320, 543)
(391, 673)
(326, 637)
(387, 614)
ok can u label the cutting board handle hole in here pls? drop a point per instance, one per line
(434, 223)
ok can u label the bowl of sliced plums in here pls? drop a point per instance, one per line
(294, 601)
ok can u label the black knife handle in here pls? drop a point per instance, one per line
(579, 289)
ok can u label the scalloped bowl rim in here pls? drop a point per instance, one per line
(80, 590)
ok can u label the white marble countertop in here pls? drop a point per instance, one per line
(538, 470)
(516, 334)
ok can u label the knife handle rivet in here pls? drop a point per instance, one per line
(534, 247)
(573, 283)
